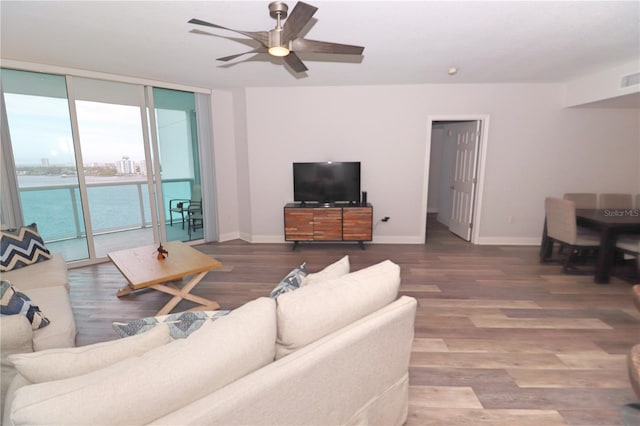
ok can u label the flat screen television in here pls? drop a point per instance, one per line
(329, 182)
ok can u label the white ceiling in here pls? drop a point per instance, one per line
(406, 42)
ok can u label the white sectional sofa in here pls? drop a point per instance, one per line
(46, 284)
(332, 353)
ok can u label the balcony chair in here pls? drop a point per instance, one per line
(185, 207)
(616, 201)
(583, 200)
(562, 228)
(195, 221)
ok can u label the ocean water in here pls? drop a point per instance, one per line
(114, 203)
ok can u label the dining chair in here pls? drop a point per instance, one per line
(616, 201)
(583, 200)
(186, 207)
(629, 245)
(562, 228)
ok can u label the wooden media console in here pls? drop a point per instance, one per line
(304, 223)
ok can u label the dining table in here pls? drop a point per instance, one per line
(609, 224)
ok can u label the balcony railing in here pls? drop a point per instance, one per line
(115, 206)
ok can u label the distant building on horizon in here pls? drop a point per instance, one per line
(125, 166)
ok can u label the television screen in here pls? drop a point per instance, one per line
(329, 182)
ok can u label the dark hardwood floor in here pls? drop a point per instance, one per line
(499, 339)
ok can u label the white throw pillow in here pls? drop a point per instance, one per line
(58, 364)
(314, 311)
(138, 390)
(335, 270)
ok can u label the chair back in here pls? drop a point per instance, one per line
(561, 219)
(196, 193)
(583, 200)
(616, 201)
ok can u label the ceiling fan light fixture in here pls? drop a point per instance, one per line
(278, 51)
(285, 41)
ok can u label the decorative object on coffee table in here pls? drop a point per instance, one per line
(161, 252)
(141, 268)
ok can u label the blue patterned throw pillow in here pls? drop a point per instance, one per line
(291, 282)
(22, 247)
(180, 325)
(17, 303)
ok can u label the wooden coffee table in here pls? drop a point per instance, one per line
(142, 269)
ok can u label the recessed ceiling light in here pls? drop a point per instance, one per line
(452, 71)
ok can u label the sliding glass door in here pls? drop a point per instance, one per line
(110, 127)
(37, 114)
(179, 161)
(138, 151)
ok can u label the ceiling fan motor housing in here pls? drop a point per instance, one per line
(278, 9)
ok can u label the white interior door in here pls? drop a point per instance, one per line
(464, 178)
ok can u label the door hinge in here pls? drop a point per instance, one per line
(470, 225)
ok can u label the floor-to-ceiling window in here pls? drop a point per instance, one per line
(113, 200)
(110, 128)
(179, 160)
(37, 114)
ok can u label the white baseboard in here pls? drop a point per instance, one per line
(389, 239)
(509, 241)
(228, 236)
(395, 239)
(266, 239)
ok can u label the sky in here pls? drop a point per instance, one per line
(107, 131)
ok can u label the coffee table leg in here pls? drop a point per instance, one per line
(124, 291)
(184, 293)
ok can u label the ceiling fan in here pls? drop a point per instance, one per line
(284, 41)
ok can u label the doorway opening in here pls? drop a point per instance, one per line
(456, 148)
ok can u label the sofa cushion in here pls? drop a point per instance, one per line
(14, 302)
(61, 333)
(51, 273)
(15, 338)
(178, 373)
(21, 247)
(316, 310)
(290, 282)
(58, 364)
(335, 270)
(180, 325)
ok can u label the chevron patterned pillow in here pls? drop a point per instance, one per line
(180, 325)
(291, 281)
(22, 247)
(14, 302)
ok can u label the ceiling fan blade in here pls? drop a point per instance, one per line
(294, 62)
(298, 18)
(261, 36)
(256, 50)
(302, 45)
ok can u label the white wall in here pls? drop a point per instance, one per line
(535, 148)
(601, 85)
(225, 165)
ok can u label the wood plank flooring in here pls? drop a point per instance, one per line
(500, 338)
